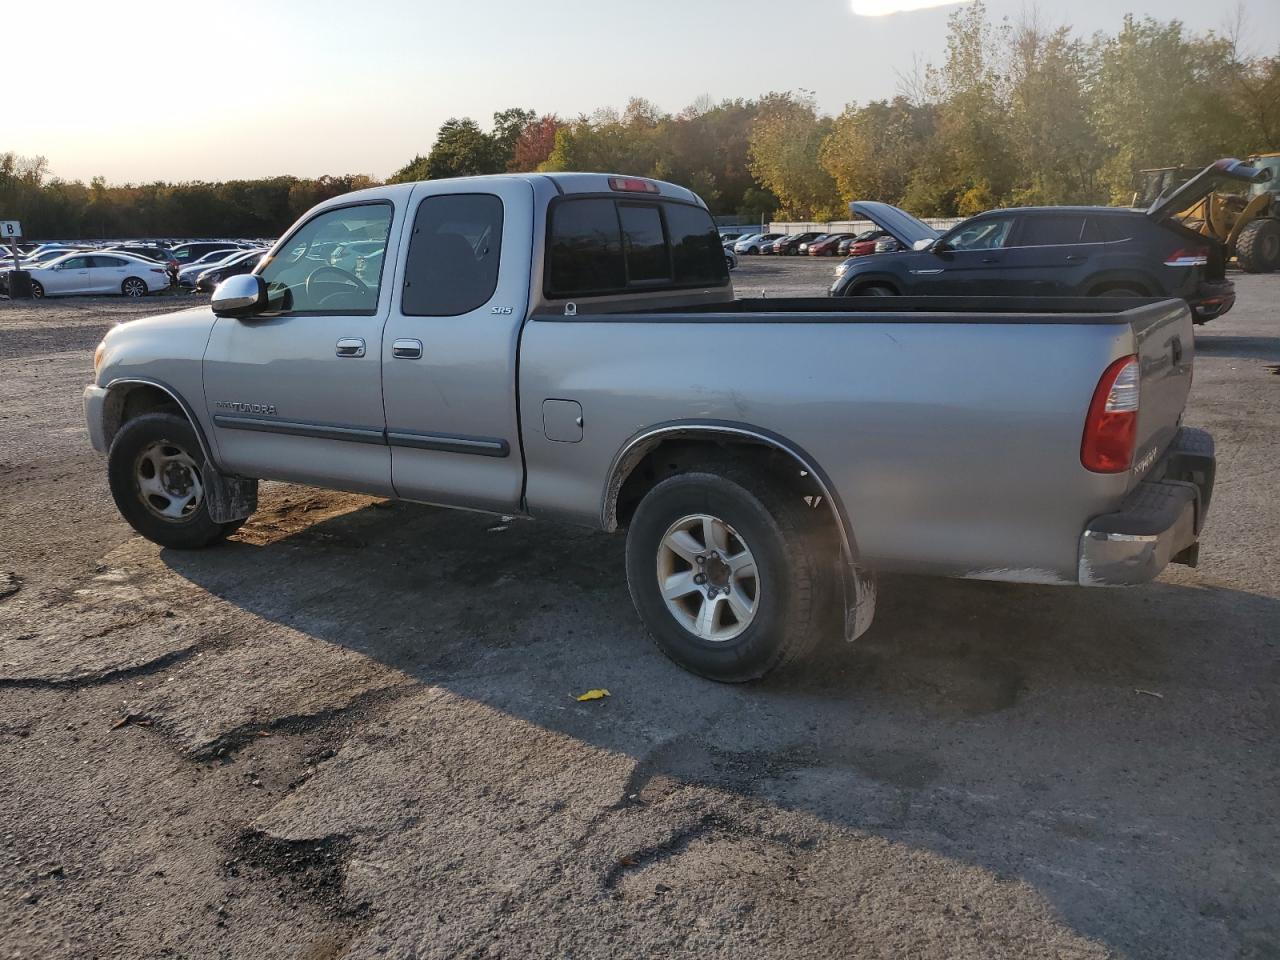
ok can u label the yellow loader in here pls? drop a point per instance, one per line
(1248, 225)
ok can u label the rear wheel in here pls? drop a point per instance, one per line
(1258, 247)
(133, 287)
(730, 571)
(155, 470)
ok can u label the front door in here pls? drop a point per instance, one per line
(295, 393)
(449, 347)
(70, 276)
(969, 261)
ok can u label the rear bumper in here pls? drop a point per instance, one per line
(1212, 299)
(1158, 523)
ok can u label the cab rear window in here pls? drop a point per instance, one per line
(601, 245)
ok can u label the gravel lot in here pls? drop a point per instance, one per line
(350, 732)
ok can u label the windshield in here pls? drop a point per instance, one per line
(1272, 185)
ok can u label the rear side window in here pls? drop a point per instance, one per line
(696, 252)
(108, 261)
(1054, 230)
(603, 245)
(452, 266)
(586, 248)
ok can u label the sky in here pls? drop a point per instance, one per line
(140, 91)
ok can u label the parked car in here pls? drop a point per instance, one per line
(232, 266)
(826, 246)
(860, 244)
(730, 259)
(98, 273)
(790, 246)
(215, 258)
(1054, 252)
(752, 245)
(731, 238)
(802, 249)
(759, 493)
(887, 245)
(188, 253)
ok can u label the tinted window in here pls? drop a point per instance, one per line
(586, 248)
(695, 250)
(108, 261)
(644, 243)
(299, 280)
(1054, 230)
(75, 263)
(986, 234)
(452, 267)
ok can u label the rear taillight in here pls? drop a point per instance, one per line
(1188, 257)
(1111, 428)
(157, 269)
(632, 185)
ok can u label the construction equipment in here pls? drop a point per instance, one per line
(1246, 224)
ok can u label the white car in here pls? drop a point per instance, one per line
(99, 273)
(188, 275)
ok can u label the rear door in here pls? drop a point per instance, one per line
(106, 274)
(1052, 254)
(449, 345)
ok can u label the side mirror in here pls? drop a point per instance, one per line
(239, 296)
(924, 243)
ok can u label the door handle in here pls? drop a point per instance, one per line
(406, 349)
(350, 347)
(990, 259)
(1073, 257)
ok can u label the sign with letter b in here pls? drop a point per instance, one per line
(10, 230)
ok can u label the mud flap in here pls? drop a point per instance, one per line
(859, 601)
(228, 498)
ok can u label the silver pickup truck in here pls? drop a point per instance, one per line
(569, 347)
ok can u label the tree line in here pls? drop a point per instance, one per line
(1016, 113)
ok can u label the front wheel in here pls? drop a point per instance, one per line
(729, 571)
(1258, 247)
(155, 470)
(37, 291)
(875, 290)
(133, 287)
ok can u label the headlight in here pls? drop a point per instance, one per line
(97, 357)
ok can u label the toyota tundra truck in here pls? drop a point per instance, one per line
(568, 347)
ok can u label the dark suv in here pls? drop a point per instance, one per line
(1054, 252)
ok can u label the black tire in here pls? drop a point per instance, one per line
(1258, 247)
(875, 290)
(134, 287)
(796, 558)
(1121, 291)
(37, 291)
(191, 532)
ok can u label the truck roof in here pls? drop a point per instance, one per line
(563, 183)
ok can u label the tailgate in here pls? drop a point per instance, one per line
(1165, 346)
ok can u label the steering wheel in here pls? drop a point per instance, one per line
(345, 277)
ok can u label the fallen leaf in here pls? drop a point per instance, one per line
(593, 695)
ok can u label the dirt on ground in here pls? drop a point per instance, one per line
(351, 731)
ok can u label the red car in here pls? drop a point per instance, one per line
(863, 243)
(827, 246)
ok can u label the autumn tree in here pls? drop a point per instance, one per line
(786, 138)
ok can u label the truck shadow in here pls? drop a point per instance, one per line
(1090, 743)
(1238, 347)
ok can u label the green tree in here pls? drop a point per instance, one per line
(872, 150)
(785, 140)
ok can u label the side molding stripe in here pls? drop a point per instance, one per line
(445, 442)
